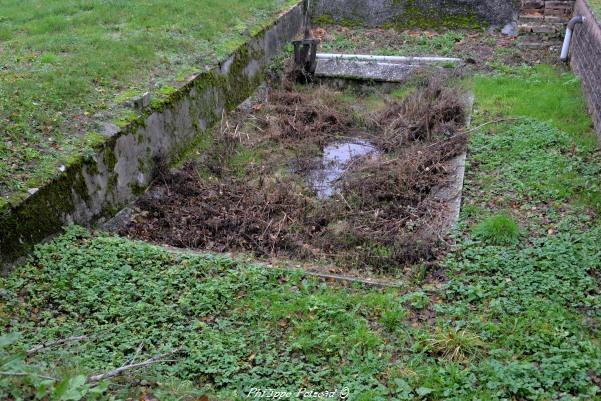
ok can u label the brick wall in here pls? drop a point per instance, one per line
(586, 59)
(542, 22)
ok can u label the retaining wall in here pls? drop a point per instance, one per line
(586, 59)
(99, 185)
(417, 13)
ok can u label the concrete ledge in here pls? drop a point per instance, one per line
(370, 70)
(97, 186)
(366, 70)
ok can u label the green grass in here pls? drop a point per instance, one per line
(349, 41)
(541, 92)
(596, 6)
(514, 322)
(551, 145)
(66, 65)
(500, 229)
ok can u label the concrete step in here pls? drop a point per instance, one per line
(538, 44)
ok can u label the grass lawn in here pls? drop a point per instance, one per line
(596, 6)
(518, 319)
(65, 65)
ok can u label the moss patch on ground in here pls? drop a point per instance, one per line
(64, 66)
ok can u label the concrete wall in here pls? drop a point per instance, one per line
(418, 13)
(98, 186)
(586, 59)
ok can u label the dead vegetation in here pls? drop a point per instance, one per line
(431, 113)
(186, 211)
(299, 116)
(379, 218)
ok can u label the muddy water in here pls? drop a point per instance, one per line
(336, 159)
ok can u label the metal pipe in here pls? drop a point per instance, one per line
(390, 59)
(307, 21)
(565, 49)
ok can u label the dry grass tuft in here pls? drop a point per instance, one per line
(455, 345)
(427, 114)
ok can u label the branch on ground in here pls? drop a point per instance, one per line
(49, 344)
(123, 369)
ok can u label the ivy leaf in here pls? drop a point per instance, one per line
(421, 391)
(9, 339)
(71, 389)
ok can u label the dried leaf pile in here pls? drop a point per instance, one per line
(378, 219)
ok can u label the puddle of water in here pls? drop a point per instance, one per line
(336, 158)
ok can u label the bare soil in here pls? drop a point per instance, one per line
(481, 48)
(249, 192)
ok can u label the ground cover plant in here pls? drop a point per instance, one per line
(509, 320)
(513, 312)
(65, 66)
(254, 194)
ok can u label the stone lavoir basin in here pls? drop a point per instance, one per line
(92, 189)
(357, 179)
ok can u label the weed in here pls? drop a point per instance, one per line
(417, 300)
(455, 345)
(500, 229)
(240, 325)
(392, 319)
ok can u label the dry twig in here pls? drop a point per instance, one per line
(49, 344)
(123, 369)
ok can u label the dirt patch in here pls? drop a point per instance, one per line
(376, 220)
(481, 48)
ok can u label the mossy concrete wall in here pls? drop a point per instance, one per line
(417, 13)
(98, 185)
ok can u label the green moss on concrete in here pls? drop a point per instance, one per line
(29, 220)
(240, 85)
(325, 19)
(126, 119)
(109, 158)
(422, 16)
(137, 189)
(39, 215)
(328, 19)
(163, 98)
